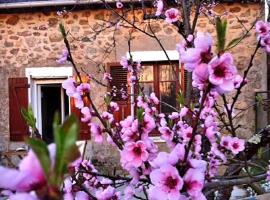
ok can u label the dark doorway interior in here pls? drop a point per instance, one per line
(50, 104)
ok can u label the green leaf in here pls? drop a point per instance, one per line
(28, 116)
(140, 114)
(66, 150)
(234, 42)
(221, 27)
(62, 30)
(180, 98)
(40, 149)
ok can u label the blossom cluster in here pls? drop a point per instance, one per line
(263, 31)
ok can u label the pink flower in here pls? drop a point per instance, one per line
(86, 114)
(25, 178)
(114, 106)
(148, 123)
(125, 63)
(265, 42)
(238, 81)
(167, 183)
(222, 72)
(184, 111)
(166, 133)
(177, 154)
(153, 98)
(159, 6)
(200, 76)
(69, 86)
(119, 5)
(83, 88)
(78, 100)
(63, 57)
(22, 196)
(108, 193)
(200, 54)
(262, 28)
(107, 116)
(107, 76)
(172, 15)
(96, 132)
(194, 182)
(236, 145)
(225, 141)
(134, 154)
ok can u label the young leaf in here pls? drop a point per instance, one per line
(140, 114)
(221, 27)
(40, 149)
(234, 42)
(62, 30)
(66, 150)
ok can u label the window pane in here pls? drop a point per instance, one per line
(148, 88)
(147, 73)
(167, 72)
(167, 95)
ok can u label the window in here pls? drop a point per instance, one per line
(162, 79)
(159, 77)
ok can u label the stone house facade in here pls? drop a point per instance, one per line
(30, 44)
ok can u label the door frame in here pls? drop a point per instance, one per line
(40, 76)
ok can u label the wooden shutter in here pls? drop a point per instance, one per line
(18, 98)
(119, 80)
(84, 128)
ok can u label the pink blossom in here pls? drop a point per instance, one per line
(262, 28)
(200, 76)
(238, 81)
(225, 141)
(167, 183)
(200, 54)
(159, 6)
(174, 115)
(78, 100)
(107, 76)
(129, 192)
(22, 196)
(108, 193)
(119, 5)
(134, 154)
(153, 98)
(183, 111)
(107, 116)
(69, 86)
(63, 57)
(172, 15)
(177, 154)
(194, 182)
(222, 72)
(114, 106)
(96, 132)
(125, 63)
(166, 133)
(83, 88)
(148, 123)
(86, 114)
(268, 174)
(161, 159)
(25, 178)
(265, 43)
(236, 145)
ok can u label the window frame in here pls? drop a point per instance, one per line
(156, 77)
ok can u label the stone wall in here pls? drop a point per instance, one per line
(33, 40)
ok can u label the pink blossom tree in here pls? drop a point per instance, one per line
(197, 148)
